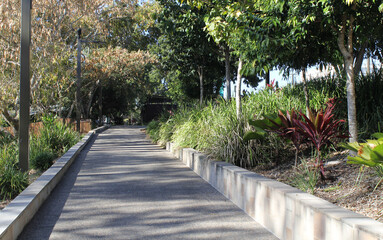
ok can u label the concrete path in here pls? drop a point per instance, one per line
(123, 187)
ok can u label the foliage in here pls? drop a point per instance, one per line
(123, 78)
(305, 178)
(131, 25)
(12, 180)
(152, 129)
(56, 136)
(52, 141)
(216, 130)
(321, 128)
(368, 154)
(6, 138)
(51, 47)
(42, 160)
(190, 67)
(54, 41)
(285, 125)
(369, 104)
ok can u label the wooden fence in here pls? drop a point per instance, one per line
(34, 128)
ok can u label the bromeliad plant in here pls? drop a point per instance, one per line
(321, 128)
(369, 154)
(284, 124)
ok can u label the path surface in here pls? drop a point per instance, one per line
(123, 187)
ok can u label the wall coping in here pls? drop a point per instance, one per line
(17, 214)
(286, 211)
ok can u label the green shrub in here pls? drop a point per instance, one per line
(43, 160)
(6, 138)
(153, 129)
(56, 136)
(369, 104)
(12, 181)
(216, 130)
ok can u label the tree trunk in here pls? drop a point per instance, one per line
(100, 123)
(359, 58)
(368, 66)
(200, 74)
(347, 52)
(267, 79)
(351, 100)
(305, 90)
(90, 100)
(70, 110)
(238, 93)
(227, 75)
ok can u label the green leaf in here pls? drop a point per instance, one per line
(354, 146)
(360, 161)
(253, 135)
(377, 135)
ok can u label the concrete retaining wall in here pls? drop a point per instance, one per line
(286, 211)
(15, 216)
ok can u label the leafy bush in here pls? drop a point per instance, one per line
(153, 129)
(216, 130)
(43, 160)
(321, 128)
(284, 124)
(52, 141)
(369, 104)
(12, 181)
(6, 138)
(369, 154)
(56, 136)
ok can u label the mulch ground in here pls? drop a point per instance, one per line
(345, 185)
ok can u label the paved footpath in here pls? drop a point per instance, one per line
(123, 187)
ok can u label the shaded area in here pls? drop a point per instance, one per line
(123, 187)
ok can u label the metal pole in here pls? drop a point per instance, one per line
(78, 83)
(25, 89)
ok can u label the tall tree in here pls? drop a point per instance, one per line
(186, 50)
(355, 29)
(52, 45)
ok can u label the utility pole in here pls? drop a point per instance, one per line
(78, 83)
(25, 88)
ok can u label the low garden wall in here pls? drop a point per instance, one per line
(15, 216)
(285, 211)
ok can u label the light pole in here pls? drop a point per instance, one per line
(25, 88)
(78, 83)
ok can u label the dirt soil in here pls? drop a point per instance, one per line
(345, 185)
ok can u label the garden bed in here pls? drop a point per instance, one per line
(345, 186)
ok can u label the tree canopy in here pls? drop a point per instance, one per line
(182, 49)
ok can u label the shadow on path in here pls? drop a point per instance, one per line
(123, 187)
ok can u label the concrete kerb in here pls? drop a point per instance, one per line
(285, 211)
(15, 216)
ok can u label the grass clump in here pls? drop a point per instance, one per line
(51, 142)
(12, 180)
(306, 177)
(54, 139)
